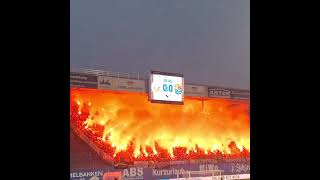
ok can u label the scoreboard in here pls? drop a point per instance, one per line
(166, 87)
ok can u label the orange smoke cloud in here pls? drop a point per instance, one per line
(129, 122)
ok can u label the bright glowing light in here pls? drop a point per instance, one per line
(119, 118)
(216, 146)
(155, 151)
(102, 122)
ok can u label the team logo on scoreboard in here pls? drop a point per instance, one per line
(155, 88)
(178, 89)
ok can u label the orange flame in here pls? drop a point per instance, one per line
(128, 122)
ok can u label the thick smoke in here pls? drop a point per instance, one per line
(122, 118)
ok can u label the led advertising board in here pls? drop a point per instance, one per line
(166, 87)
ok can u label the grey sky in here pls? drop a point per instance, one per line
(206, 40)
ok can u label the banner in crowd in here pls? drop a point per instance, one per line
(225, 177)
(113, 83)
(83, 80)
(135, 173)
(240, 94)
(105, 82)
(218, 92)
(195, 90)
(131, 85)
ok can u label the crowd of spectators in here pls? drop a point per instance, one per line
(78, 117)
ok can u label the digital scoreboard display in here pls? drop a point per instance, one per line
(166, 87)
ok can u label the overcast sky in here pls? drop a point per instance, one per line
(206, 40)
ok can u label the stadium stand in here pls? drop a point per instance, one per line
(82, 155)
